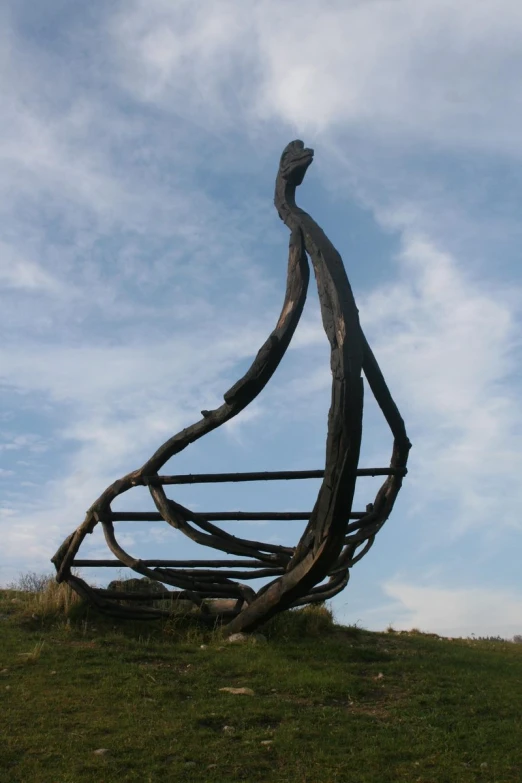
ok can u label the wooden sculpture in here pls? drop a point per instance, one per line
(335, 537)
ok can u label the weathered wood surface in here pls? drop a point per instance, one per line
(218, 516)
(266, 475)
(319, 566)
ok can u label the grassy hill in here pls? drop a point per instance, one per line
(329, 703)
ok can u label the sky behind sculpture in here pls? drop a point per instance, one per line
(142, 265)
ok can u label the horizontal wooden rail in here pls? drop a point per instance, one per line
(275, 475)
(217, 516)
(177, 563)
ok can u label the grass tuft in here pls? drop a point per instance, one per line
(312, 621)
(34, 655)
(43, 598)
(55, 600)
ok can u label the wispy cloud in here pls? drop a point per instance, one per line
(25, 274)
(439, 72)
(449, 346)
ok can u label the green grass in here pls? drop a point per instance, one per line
(331, 704)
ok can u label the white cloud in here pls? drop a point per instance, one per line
(433, 70)
(454, 612)
(188, 52)
(438, 71)
(16, 272)
(32, 442)
(448, 346)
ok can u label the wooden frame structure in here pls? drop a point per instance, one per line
(335, 537)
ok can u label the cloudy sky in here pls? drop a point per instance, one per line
(142, 265)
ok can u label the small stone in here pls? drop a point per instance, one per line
(53, 672)
(380, 676)
(202, 646)
(237, 638)
(211, 766)
(228, 729)
(101, 752)
(241, 638)
(8, 687)
(14, 600)
(4, 671)
(484, 765)
(239, 691)
(266, 742)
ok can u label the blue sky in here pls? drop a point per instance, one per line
(142, 265)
